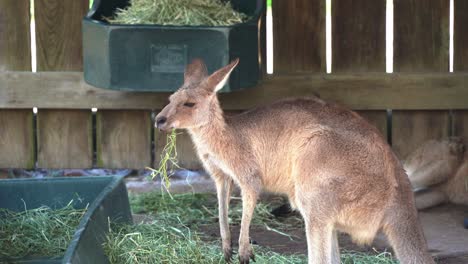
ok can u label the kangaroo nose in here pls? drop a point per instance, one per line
(160, 121)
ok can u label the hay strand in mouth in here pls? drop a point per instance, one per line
(179, 13)
(168, 162)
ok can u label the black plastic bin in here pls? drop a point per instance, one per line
(105, 196)
(153, 57)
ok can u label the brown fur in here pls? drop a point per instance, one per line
(440, 169)
(335, 168)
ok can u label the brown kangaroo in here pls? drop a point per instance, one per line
(440, 169)
(334, 167)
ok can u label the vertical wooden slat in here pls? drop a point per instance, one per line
(58, 34)
(16, 126)
(460, 61)
(421, 35)
(262, 42)
(358, 35)
(15, 40)
(63, 136)
(460, 124)
(16, 139)
(299, 35)
(377, 119)
(412, 128)
(123, 139)
(63, 139)
(460, 37)
(358, 44)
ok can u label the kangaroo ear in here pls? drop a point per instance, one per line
(218, 79)
(195, 71)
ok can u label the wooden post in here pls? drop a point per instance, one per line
(358, 44)
(124, 139)
(299, 36)
(421, 45)
(64, 137)
(358, 36)
(16, 126)
(460, 63)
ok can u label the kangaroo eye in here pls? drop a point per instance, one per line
(188, 104)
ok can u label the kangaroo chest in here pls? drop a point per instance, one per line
(213, 161)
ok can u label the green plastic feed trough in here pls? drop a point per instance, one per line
(105, 196)
(153, 57)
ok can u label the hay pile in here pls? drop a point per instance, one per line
(41, 232)
(178, 13)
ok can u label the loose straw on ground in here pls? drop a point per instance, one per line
(174, 234)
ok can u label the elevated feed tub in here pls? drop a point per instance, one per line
(153, 57)
(106, 198)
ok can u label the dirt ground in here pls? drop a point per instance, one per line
(443, 228)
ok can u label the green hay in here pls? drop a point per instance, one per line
(171, 237)
(41, 232)
(179, 12)
(168, 160)
(163, 242)
(201, 208)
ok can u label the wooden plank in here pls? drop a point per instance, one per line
(358, 39)
(421, 42)
(186, 155)
(262, 51)
(377, 119)
(64, 139)
(460, 37)
(410, 129)
(65, 136)
(15, 41)
(460, 62)
(421, 35)
(16, 126)
(123, 139)
(58, 34)
(358, 35)
(16, 139)
(299, 35)
(370, 91)
(460, 124)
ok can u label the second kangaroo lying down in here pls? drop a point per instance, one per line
(335, 168)
(440, 168)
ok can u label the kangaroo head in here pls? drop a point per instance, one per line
(193, 104)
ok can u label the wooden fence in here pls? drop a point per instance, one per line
(425, 99)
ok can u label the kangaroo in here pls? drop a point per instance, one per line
(438, 172)
(334, 167)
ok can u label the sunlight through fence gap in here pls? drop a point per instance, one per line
(328, 35)
(33, 38)
(451, 32)
(389, 37)
(269, 38)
